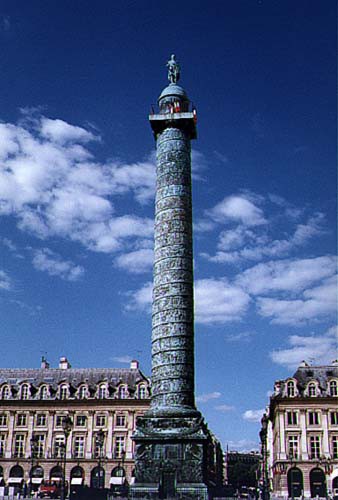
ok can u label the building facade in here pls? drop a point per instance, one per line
(301, 432)
(100, 406)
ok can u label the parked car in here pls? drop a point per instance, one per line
(49, 489)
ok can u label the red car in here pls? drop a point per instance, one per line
(50, 489)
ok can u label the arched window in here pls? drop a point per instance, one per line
(97, 477)
(44, 392)
(333, 388)
(56, 473)
(82, 392)
(63, 391)
(317, 483)
(142, 392)
(16, 471)
(5, 394)
(102, 393)
(290, 389)
(312, 389)
(295, 482)
(117, 475)
(76, 475)
(24, 391)
(123, 392)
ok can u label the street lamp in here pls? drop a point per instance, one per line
(67, 426)
(34, 448)
(99, 439)
(263, 437)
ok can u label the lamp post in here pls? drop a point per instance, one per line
(34, 445)
(263, 437)
(67, 425)
(99, 438)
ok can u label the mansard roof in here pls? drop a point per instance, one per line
(73, 376)
(320, 374)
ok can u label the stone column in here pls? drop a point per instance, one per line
(172, 322)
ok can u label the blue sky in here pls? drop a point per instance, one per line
(77, 187)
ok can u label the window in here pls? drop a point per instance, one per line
(290, 389)
(333, 388)
(80, 420)
(102, 392)
(79, 442)
(83, 392)
(63, 392)
(44, 392)
(313, 417)
(21, 420)
(24, 391)
(123, 392)
(40, 446)
(59, 443)
(41, 420)
(293, 446)
(100, 420)
(19, 446)
(334, 418)
(292, 418)
(314, 447)
(5, 392)
(3, 420)
(119, 446)
(142, 392)
(2, 444)
(334, 446)
(58, 420)
(312, 389)
(98, 448)
(120, 420)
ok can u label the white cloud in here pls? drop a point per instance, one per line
(46, 260)
(218, 301)
(239, 337)
(243, 445)
(238, 208)
(241, 243)
(253, 415)
(62, 132)
(122, 359)
(139, 261)
(5, 281)
(289, 275)
(204, 398)
(50, 182)
(140, 300)
(320, 349)
(315, 304)
(224, 408)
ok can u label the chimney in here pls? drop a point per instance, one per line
(44, 363)
(64, 363)
(134, 364)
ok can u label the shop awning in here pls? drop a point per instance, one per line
(59, 479)
(116, 480)
(15, 480)
(76, 480)
(37, 480)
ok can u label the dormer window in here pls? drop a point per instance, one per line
(24, 391)
(5, 394)
(44, 392)
(82, 392)
(312, 389)
(333, 388)
(290, 389)
(63, 391)
(102, 393)
(123, 392)
(142, 392)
